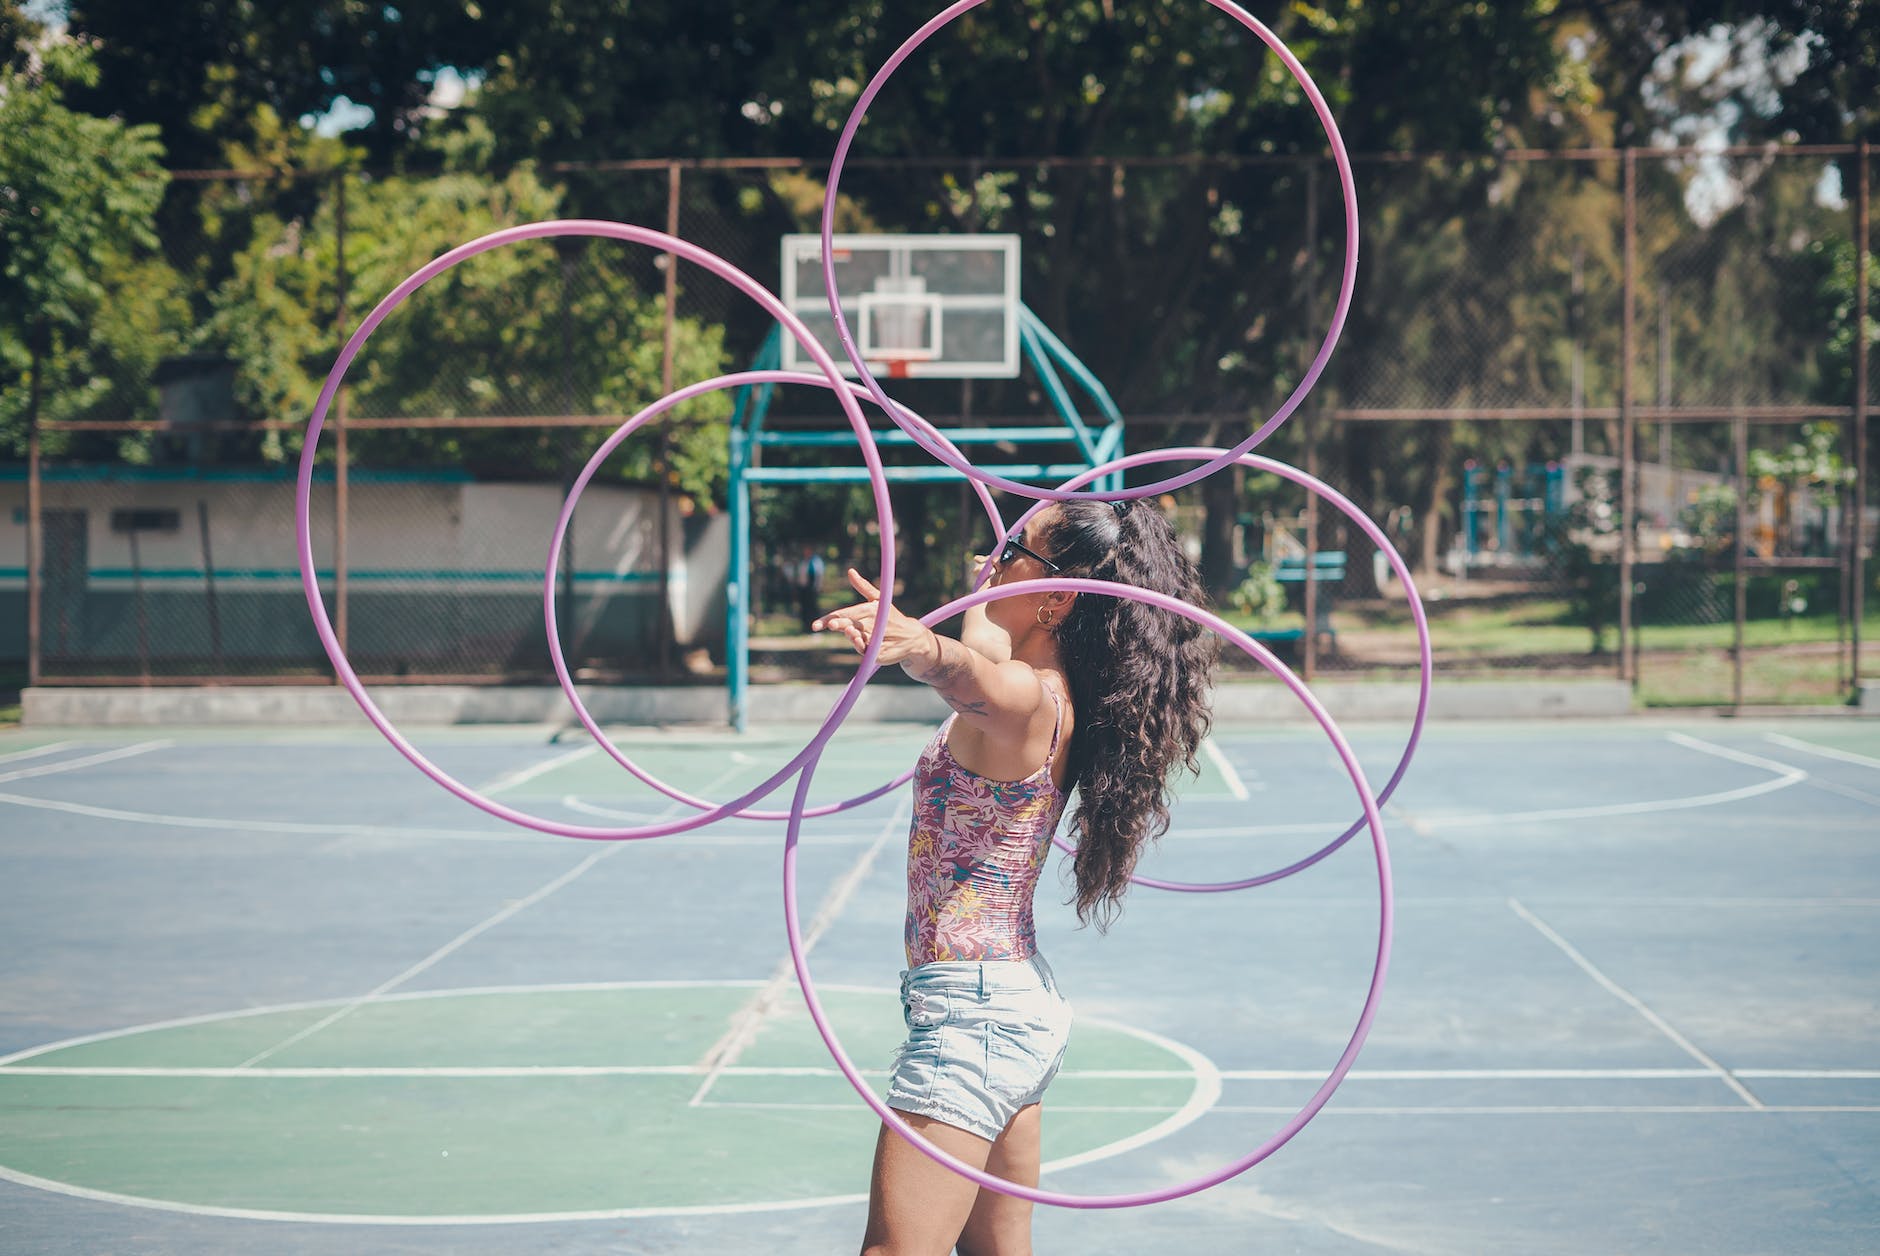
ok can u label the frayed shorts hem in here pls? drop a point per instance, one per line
(985, 1038)
(959, 1120)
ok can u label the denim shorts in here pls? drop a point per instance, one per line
(984, 1039)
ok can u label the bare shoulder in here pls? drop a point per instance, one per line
(1012, 739)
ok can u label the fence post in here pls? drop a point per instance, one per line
(34, 508)
(342, 496)
(739, 596)
(663, 621)
(1739, 433)
(1311, 655)
(1628, 418)
(1863, 224)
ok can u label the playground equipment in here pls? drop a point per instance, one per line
(1519, 522)
(935, 307)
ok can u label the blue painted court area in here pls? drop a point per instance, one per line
(269, 991)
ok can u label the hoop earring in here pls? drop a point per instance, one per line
(1043, 617)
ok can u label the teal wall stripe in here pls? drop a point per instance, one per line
(293, 574)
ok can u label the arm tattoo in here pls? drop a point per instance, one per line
(950, 667)
(954, 669)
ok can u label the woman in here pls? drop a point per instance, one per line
(1051, 692)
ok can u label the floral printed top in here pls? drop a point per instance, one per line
(974, 853)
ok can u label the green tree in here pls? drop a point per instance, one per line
(18, 33)
(201, 71)
(80, 289)
(538, 328)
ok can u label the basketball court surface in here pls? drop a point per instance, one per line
(275, 991)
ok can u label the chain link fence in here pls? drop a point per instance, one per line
(1546, 353)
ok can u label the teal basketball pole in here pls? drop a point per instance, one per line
(1095, 444)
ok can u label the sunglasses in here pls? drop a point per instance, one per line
(1014, 548)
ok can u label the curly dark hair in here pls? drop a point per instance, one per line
(1140, 679)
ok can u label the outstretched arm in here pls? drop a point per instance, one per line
(999, 698)
(977, 631)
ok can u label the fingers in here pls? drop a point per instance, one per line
(861, 585)
(855, 629)
(860, 609)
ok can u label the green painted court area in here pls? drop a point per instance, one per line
(506, 1103)
(273, 991)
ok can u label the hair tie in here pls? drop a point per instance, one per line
(1122, 506)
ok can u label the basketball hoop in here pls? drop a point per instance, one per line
(920, 306)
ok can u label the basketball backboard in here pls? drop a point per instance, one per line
(919, 306)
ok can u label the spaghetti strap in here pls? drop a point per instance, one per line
(1057, 725)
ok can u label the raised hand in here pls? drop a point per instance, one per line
(905, 637)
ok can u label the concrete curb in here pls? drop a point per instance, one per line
(311, 705)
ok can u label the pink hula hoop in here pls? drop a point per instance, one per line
(793, 924)
(559, 660)
(1348, 275)
(316, 604)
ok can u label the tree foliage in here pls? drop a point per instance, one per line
(200, 72)
(1192, 283)
(533, 329)
(78, 282)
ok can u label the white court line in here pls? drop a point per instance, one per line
(1832, 787)
(52, 747)
(1826, 752)
(1319, 902)
(1614, 1109)
(434, 957)
(509, 780)
(461, 940)
(750, 1018)
(402, 996)
(1845, 756)
(1845, 791)
(1336, 1109)
(297, 827)
(1234, 784)
(441, 1219)
(1636, 1004)
(1813, 1074)
(792, 1205)
(1474, 1074)
(575, 803)
(1179, 831)
(1202, 1072)
(829, 1071)
(1786, 776)
(1728, 752)
(90, 760)
(1201, 1100)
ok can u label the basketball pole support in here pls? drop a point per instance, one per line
(1049, 358)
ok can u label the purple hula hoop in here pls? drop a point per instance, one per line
(316, 604)
(806, 761)
(1397, 564)
(562, 522)
(1347, 279)
(793, 927)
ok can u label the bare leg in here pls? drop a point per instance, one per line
(915, 1206)
(1000, 1225)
